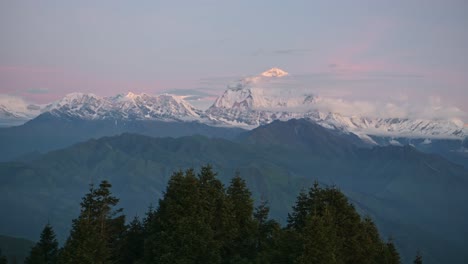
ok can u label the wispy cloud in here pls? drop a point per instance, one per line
(27, 69)
(382, 109)
(38, 91)
(278, 52)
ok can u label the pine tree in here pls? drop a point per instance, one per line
(3, 259)
(181, 231)
(46, 250)
(371, 246)
(418, 259)
(346, 221)
(320, 240)
(392, 254)
(133, 246)
(325, 228)
(96, 235)
(150, 229)
(301, 209)
(267, 233)
(217, 209)
(242, 246)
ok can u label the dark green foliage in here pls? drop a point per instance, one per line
(46, 250)
(181, 231)
(392, 253)
(242, 245)
(329, 230)
(319, 240)
(418, 259)
(267, 234)
(133, 245)
(198, 220)
(96, 235)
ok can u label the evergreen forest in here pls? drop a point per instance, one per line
(199, 220)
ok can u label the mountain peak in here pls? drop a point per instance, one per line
(131, 95)
(74, 98)
(274, 72)
(76, 95)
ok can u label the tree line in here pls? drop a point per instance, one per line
(199, 220)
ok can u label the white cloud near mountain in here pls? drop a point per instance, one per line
(352, 95)
(18, 105)
(389, 109)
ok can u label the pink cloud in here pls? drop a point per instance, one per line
(351, 58)
(20, 69)
(19, 80)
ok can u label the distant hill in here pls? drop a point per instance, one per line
(15, 248)
(49, 132)
(419, 199)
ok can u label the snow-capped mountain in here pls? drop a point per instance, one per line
(259, 100)
(247, 103)
(14, 111)
(255, 101)
(394, 127)
(126, 107)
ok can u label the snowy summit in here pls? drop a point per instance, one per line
(274, 72)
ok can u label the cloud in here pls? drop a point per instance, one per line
(191, 92)
(277, 52)
(291, 51)
(11, 101)
(19, 106)
(38, 91)
(381, 109)
(25, 69)
(201, 98)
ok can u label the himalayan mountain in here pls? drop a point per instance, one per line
(244, 105)
(248, 103)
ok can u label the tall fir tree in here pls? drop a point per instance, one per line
(328, 229)
(217, 208)
(133, 245)
(242, 246)
(46, 250)
(301, 209)
(391, 253)
(181, 231)
(371, 246)
(418, 258)
(97, 233)
(267, 234)
(320, 241)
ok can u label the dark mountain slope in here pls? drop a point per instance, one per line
(303, 134)
(48, 132)
(15, 249)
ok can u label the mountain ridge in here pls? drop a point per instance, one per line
(247, 103)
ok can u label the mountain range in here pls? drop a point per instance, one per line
(247, 103)
(418, 199)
